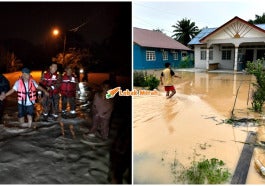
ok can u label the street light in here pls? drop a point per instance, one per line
(56, 32)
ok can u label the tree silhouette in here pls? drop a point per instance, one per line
(74, 57)
(184, 31)
(258, 19)
(9, 61)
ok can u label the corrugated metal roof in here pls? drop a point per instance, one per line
(262, 26)
(207, 31)
(203, 33)
(148, 38)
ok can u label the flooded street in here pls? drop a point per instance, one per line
(190, 126)
(60, 152)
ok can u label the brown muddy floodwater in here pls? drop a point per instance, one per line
(190, 125)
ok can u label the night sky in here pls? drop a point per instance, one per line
(33, 21)
(26, 30)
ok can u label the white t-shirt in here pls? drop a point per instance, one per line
(15, 87)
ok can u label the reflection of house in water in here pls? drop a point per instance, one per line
(217, 86)
(229, 46)
(227, 83)
(219, 89)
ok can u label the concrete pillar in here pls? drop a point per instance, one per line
(236, 57)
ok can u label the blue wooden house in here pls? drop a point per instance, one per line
(152, 49)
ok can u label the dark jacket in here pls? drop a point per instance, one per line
(4, 84)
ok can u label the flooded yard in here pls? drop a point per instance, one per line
(191, 125)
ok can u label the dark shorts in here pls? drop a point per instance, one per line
(1, 109)
(169, 88)
(25, 110)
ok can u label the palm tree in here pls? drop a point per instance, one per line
(184, 31)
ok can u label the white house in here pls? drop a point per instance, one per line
(229, 46)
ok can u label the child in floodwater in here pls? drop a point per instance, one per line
(101, 109)
(167, 75)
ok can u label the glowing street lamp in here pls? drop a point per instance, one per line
(56, 32)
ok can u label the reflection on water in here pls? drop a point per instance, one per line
(169, 113)
(219, 90)
(71, 129)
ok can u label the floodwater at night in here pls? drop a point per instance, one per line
(60, 152)
(191, 125)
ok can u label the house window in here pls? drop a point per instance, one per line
(260, 53)
(203, 55)
(183, 55)
(165, 55)
(150, 55)
(191, 56)
(175, 56)
(226, 54)
(211, 55)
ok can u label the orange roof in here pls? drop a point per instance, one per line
(148, 38)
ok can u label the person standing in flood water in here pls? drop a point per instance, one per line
(26, 89)
(51, 80)
(4, 87)
(69, 86)
(167, 75)
(102, 110)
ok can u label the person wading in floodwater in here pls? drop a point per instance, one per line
(68, 89)
(26, 88)
(4, 87)
(51, 81)
(167, 75)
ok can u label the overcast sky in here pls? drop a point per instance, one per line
(163, 14)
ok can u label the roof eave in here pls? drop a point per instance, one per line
(203, 40)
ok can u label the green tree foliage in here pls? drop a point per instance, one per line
(186, 62)
(258, 96)
(139, 78)
(184, 31)
(152, 82)
(143, 79)
(258, 19)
